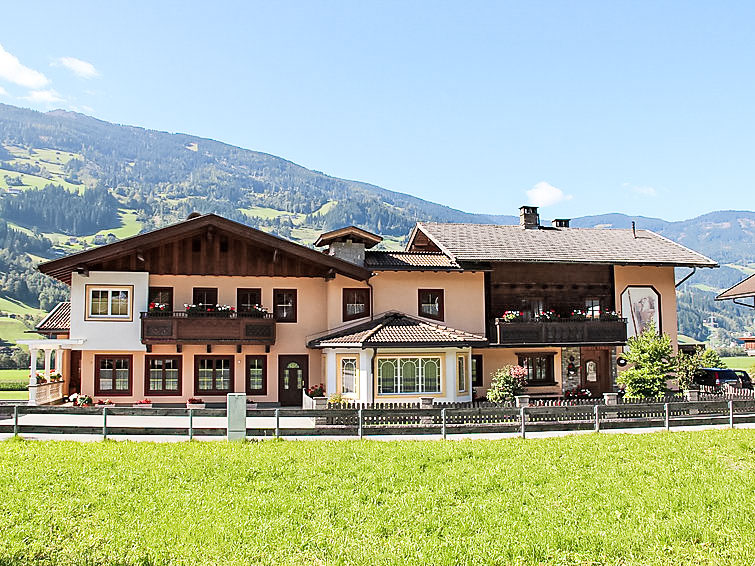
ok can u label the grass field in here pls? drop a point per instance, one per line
(14, 306)
(739, 362)
(13, 374)
(14, 396)
(664, 498)
(12, 329)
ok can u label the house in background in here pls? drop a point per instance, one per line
(209, 306)
(745, 289)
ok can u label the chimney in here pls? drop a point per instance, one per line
(561, 222)
(529, 219)
(348, 244)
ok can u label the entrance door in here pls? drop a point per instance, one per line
(74, 384)
(596, 370)
(292, 379)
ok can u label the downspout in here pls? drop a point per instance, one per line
(690, 274)
(373, 362)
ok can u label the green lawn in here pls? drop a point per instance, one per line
(14, 374)
(663, 498)
(15, 396)
(739, 362)
(12, 329)
(14, 306)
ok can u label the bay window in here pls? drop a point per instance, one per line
(411, 374)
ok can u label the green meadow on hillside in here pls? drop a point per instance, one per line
(663, 498)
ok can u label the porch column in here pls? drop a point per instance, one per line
(48, 362)
(33, 366)
(59, 361)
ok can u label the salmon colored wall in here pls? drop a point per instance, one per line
(662, 279)
(495, 358)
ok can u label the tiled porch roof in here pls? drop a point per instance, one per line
(409, 261)
(395, 329)
(57, 321)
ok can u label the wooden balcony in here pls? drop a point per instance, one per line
(559, 332)
(207, 328)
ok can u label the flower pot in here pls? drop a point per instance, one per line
(142, 405)
(195, 405)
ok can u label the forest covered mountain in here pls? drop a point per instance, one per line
(69, 181)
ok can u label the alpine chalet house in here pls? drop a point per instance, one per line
(209, 306)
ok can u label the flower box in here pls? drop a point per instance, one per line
(142, 405)
(195, 405)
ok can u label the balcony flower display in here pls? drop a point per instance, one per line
(578, 314)
(512, 316)
(158, 307)
(546, 316)
(609, 315)
(202, 308)
(195, 403)
(80, 400)
(101, 402)
(577, 393)
(144, 404)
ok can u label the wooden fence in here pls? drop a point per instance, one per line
(441, 421)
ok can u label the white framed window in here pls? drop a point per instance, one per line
(410, 374)
(461, 373)
(348, 367)
(109, 302)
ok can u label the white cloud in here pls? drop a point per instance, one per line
(80, 68)
(3, 92)
(49, 96)
(12, 70)
(545, 194)
(647, 191)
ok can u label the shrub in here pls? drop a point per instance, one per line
(652, 358)
(508, 382)
(711, 359)
(14, 385)
(687, 367)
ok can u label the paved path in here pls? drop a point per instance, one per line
(269, 422)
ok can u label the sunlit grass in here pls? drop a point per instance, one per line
(664, 498)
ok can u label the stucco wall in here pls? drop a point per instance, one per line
(108, 335)
(660, 278)
(496, 358)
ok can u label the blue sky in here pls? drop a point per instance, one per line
(581, 107)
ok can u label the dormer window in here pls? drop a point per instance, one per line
(109, 302)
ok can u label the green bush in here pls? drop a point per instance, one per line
(687, 367)
(711, 359)
(508, 382)
(13, 385)
(652, 358)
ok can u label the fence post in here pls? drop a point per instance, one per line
(15, 420)
(191, 424)
(522, 419)
(731, 414)
(597, 418)
(277, 423)
(361, 424)
(443, 421)
(104, 422)
(667, 416)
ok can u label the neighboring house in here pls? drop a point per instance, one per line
(745, 289)
(209, 306)
(689, 345)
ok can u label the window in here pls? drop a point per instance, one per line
(539, 368)
(408, 375)
(461, 373)
(348, 373)
(431, 303)
(213, 375)
(163, 375)
(592, 308)
(356, 304)
(477, 370)
(162, 296)
(256, 375)
(205, 296)
(112, 375)
(247, 299)
(113, 303)
(284, 301)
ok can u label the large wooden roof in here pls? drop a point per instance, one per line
(206, 245)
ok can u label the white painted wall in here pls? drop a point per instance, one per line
(109, 335)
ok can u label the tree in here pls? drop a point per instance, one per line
(652, 358)
(687, 367)
(711, 359)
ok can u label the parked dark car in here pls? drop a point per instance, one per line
(717, 377)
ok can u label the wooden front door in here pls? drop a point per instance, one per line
(74, 379)
(293, 377)
(596, 370)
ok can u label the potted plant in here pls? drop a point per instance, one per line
(81, 400)
(512, 316)
(101, 402)
(609, 315)
(315, 391)
(578, 314)
(144, 404)
(195, 403)
(158, 308)
(546, 316)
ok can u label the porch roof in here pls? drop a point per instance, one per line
(57, 321)
(396, 329)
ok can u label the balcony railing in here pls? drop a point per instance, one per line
(208, 327)
(559, 332)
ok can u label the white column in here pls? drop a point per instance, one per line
(59, 361)
(48, 361)
(33, 366)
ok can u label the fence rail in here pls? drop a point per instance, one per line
(111, 421)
